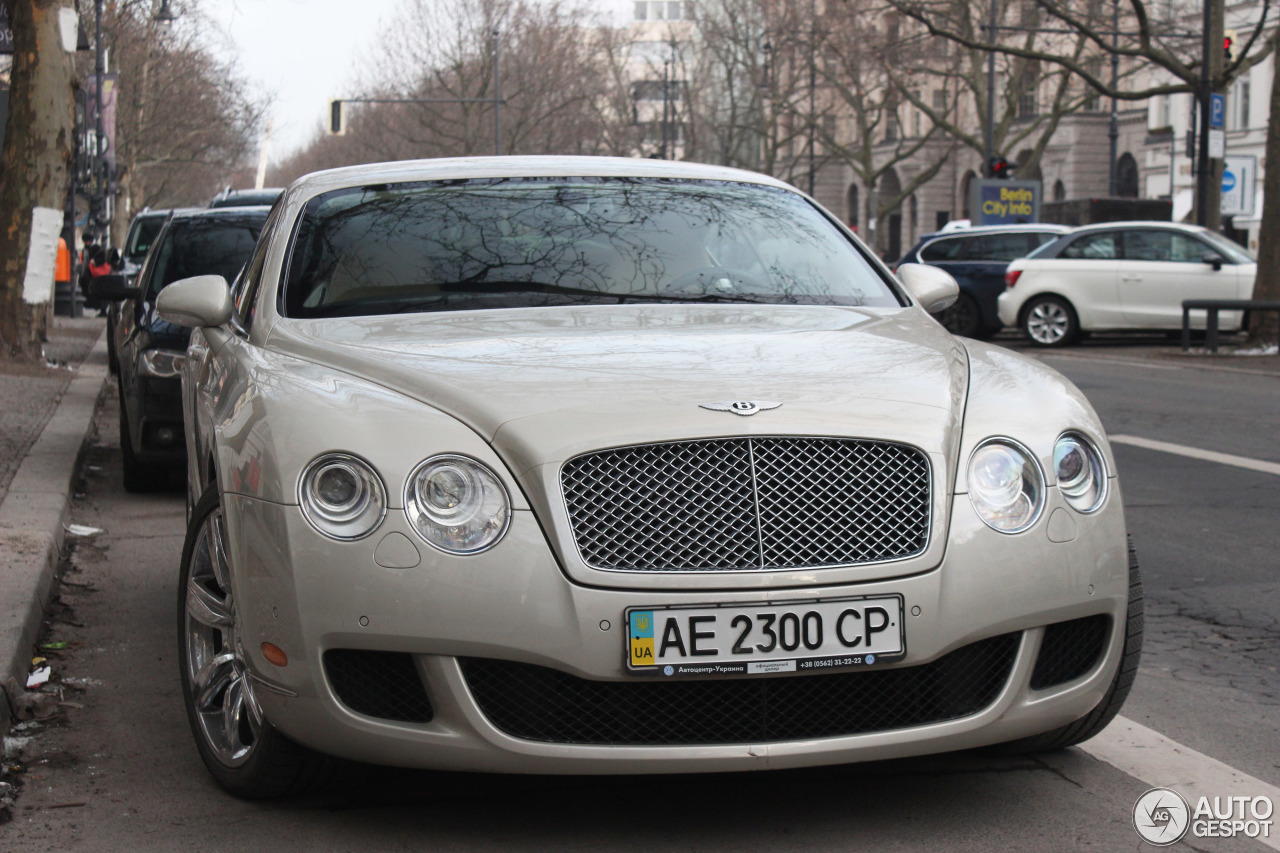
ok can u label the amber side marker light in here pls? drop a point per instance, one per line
(274, 654)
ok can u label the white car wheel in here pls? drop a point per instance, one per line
(1050, 322)
(247, 756)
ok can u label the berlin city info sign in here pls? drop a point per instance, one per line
(994, 201)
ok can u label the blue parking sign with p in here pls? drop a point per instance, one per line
(1217, 110)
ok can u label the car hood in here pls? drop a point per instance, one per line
(542, 384)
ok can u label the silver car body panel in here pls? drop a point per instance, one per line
(523, 390)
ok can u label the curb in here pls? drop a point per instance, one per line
(32, 519)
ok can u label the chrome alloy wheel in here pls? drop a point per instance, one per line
(227, 713)
(1048, 323)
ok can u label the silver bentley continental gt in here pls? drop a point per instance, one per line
(588, 465)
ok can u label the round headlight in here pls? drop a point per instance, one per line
(342, 496)
(457, 504)
(1081, 477)
(1005, 486)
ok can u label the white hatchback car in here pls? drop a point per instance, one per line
(1122, 276)
(590, 465)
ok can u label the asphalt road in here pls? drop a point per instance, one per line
(115, 769)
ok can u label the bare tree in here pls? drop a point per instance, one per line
(186, 122)
(748, 108)
(35, 168)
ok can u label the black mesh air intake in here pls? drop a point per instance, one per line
(1069, 650)
(378, 684)
(536, 703)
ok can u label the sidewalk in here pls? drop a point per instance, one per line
(46, 415)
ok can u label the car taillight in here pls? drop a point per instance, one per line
(1011, 277)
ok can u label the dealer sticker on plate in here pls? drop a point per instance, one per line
(765, 638)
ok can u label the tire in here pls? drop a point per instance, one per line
(963, 318)
(113, 366)
(1050, 321)
(139, 477)
(242, 751)
(1098, 719)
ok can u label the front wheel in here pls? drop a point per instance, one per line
(963, 317)
(1050, 321)
(137, 476)
(240, 748)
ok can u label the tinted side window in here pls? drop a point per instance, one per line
(1148, 246)
(943, 250)
(1092, 247)
(996, 247)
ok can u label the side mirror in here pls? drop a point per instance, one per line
(113, 287)
(933, 288)
(203, 300)
(1214, 260)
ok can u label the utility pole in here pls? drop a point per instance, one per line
(1209, 168)
(98, 196)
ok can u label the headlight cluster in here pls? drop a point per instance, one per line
(342, 496)
(161, 363)
(1007, 488)
(1081, 477)
(455, 503)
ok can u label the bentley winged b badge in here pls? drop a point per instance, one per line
(740, 407)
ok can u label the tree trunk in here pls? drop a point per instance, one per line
(1264, 326)
(35, 168)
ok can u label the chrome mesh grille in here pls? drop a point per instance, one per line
(745, 504)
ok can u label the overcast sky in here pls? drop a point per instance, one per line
(306, 52)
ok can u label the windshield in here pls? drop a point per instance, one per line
(141, 235)
(200, 246)
(568, 241)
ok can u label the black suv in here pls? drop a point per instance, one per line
(150, 351)
(977, 258)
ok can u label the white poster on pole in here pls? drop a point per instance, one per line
(42, 253)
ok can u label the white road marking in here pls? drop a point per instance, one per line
(1159, 762)
(1197, 453)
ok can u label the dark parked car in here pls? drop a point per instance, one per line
(977, 258)
(149, 350)
(142, 233)
(244, 198)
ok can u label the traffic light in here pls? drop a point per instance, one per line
(1229, 46)
(337, 118)
(1001, 168)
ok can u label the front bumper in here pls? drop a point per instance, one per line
(309, 595)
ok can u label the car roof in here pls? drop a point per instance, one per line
(999, 229)
(1140, 223)
(220, 212)
(463, 168)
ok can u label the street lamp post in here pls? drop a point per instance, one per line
(98, 176)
